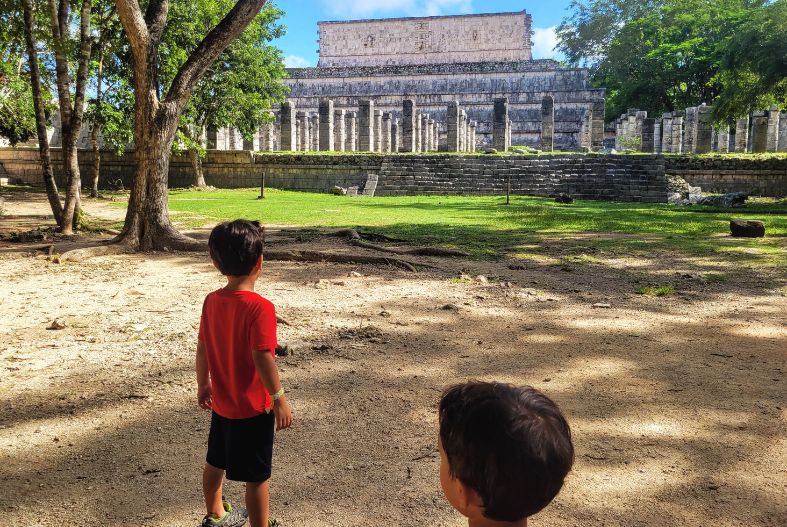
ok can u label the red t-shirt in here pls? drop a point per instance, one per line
(232, 326)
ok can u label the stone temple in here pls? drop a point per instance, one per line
(471, 59)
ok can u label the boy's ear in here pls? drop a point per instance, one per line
(215, 264)
(259, 263)
(470, 500)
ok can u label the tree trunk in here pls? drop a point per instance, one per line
(38, 103)
(97, 123)
(196, 164)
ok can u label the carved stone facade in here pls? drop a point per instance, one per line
(494, 37)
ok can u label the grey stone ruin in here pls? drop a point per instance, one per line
(704, 137)
(303, 129)
(547, 123)
(759, 132)
(417, 132)
(469, 136)
(648, 135)
(386, 129)
(453, 126)
(288, 127)
(585, 129)
(742, 134)
(431, 135)
(212, 138)
(378, 130)
(509, 134)
(657, 136)
(783, 133)
(500, 124)
(408, 126)
(351, 131)
(597, 133)
(690, 130)
(473, 136)
(250, 144)
(723, 144)
(773, 129)
(677, 134)
(326, 125)
(395, 135)
(365, 125)
(462, 131)
(666, 133)
(298, 135)
(339, 130)
(314, 131)
(436, 145)
(424, 132)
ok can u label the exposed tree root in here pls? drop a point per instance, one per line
(78, 255)
(326, 256)
(357, 240)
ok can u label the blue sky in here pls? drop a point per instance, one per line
(300, 43)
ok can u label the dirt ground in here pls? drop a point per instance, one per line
(677, 404)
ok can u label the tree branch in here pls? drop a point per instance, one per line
(85, 48)
(156, 19)
(135, 27)
(214, 43)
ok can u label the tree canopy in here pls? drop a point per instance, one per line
(664, 55)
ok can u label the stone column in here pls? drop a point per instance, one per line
(742, 134)
(304, 128)
(424, 133)
(597, 132)
(690, 130)
(499, 124)
(314, 120)
(724, 139)
(453, 126)
(385, 144)
(432, 135)
(212, 142)
(351, 122)
(469, 136)
(473, 136)
(339, 130)
(759, 130)
(395, 136)
(288, 139)
(436, 136)
(773, 129)
(509, 135)
(298, 135)
(325, 140)
(548, 123)
(677, 134)
(657, 136)
(365, 125)
(704, 137)
(408, 126)
(462, 131)
(648, 135)
(417, 132)
(666, 133)
(783, 133)
(378, 130)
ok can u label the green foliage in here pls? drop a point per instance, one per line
(17, 117)
(667, 55)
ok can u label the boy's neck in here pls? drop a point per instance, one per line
(486, 522)
(241, 283)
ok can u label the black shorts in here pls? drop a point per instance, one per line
(242, 447)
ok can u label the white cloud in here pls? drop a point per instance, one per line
(294, 61)
(371, 8)
(544, 42)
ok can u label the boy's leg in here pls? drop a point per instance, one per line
(257, 498)
(212, 479)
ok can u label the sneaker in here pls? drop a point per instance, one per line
(232, 518)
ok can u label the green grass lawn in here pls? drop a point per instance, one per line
(485, 226)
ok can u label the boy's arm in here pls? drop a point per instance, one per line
(204, 393)
(265, 363)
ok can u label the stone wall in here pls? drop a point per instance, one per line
(426, 40)
(607, 177)
(761, 177)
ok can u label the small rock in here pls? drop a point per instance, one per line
(517, 267)
(450, 307)
(490, 150)
(564, 198)
(56, 324)
(602, 305)
(482, 279)
(339, 191)
(355, 274)
(747, 228)
(385, 314)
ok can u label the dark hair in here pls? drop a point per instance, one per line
(510, 444)
(236, 246)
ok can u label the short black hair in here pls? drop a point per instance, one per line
(236, 246)
(510, 444)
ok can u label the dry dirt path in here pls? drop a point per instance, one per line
(677, 404)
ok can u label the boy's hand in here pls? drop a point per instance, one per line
(205, 397)
(283, 413)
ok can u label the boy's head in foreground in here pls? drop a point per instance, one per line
(504, 451)
(236, 247)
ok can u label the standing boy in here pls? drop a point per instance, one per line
(237, 379)
(504, 452)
